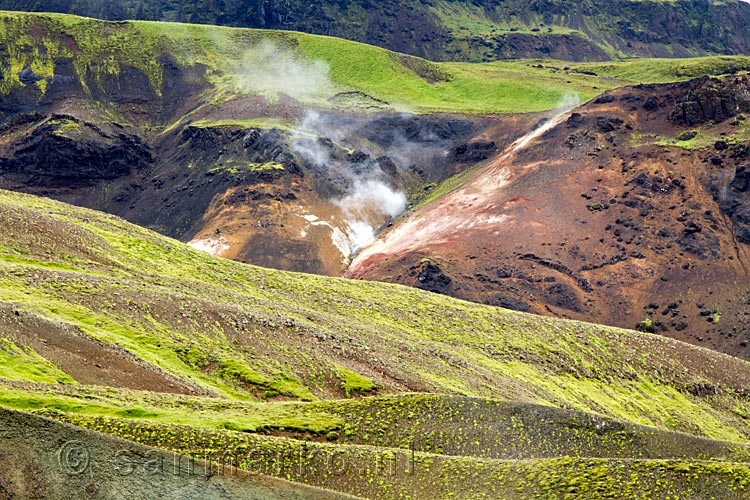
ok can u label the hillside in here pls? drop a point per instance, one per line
(89, 300)
(631, 210)
(105, 467)
(459, 30)
(294, 151)
(560, 250)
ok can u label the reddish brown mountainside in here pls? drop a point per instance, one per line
(592, 219)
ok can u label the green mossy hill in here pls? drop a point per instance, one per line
(105, 58)
(431, 423)
(475, 30)
(243, 332)
(394, 473)
(42, 458)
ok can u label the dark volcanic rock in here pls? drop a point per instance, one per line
(28, 77)
(608, 124)
(701, 247)
(711, 100)
(561, 295)
(395, 130)
(735, 201)
(574, 120)
(432, 278)
(651, 104)
(741, 181)
(692, 227)
(510, 303)
(48, 157)
(387, 165)
(475, 151)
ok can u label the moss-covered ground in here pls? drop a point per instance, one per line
(249, 333)
(462, 400)
(228, 57)
(278, 353)
(393, 473)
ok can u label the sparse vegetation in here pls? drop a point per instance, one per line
(188, 312)
(23, 363)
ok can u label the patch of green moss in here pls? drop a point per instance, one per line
(259, 123)
(354, 383)
(265, 167)
(23, 363)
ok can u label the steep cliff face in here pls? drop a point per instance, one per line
(631, 210)
(462, 30)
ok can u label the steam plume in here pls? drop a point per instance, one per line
(271, 69)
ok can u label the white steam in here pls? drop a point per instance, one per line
(271, 69)
(368, 200)
(568, 100)
(365, 198)
(312, 126)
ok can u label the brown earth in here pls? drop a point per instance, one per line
(262, 194)
(591, 219)
(41, 458)
(85, 359)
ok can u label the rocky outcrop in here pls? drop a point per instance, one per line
(735, 202)
(430, 277)
(712, 100)
(475, 151)
(63, 151)
(535, 46)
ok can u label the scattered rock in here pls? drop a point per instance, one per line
(686, 136)
(651, 104)
(711, 100)
(608, 124)
(741, 180)
(692, 227)
(28, 77)
(561, 295)
(432, 278)
(510, 303)
(475, 151)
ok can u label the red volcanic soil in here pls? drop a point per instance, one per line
(588, 218)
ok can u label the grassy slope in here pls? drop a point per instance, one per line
(494, 429)
(463, 30)
(396, 473)
(418, 446)
(99, 48)
(246, 332)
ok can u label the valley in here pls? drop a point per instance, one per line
(306, 267)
